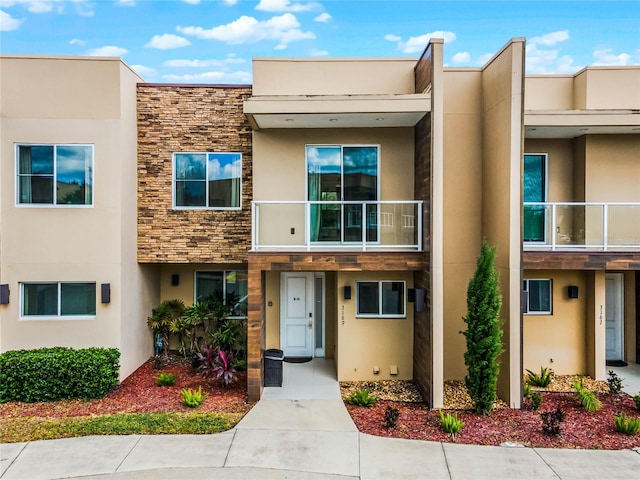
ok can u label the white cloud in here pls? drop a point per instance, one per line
(167, 41)
(418, 44)
(210, 77)
(108, 51)
(193, 63)
(318, 53)
(8, 23)
(550, 39)
(192, 2)
(77, 41)
(285, 6)
(230, 2)
(484, 58)
(127, 3)
(83, 7)
(322, 18)
(144, 72)
(461, 57)
(284, 29)
(605, 56)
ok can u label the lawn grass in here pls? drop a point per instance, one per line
(26, 429)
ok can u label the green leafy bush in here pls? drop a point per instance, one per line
(165, 379)
(540, 380)
(551, 421)
(526, 390)
(628, 426)
(450, 424)
(636, 399)
(535, 400)
(192, 398)
(614, 382)
(391, 415)
(587, 398)
(362, 398)
(49, 374)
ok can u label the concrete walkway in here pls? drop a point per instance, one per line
(301, 432)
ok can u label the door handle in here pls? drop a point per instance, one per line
(310, 324)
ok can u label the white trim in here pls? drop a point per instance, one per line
(525, 288)
(320, 352)
(59, 316)
(380, 314)
(206, 182)
(54, 204)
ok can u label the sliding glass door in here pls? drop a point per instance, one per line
(337, 174)
(535, 190)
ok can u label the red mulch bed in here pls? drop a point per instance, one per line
(579, 429)
(138, 393)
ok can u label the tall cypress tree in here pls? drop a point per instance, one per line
(484, 332)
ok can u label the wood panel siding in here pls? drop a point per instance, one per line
(581, 261)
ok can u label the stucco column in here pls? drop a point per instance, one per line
(596, 325)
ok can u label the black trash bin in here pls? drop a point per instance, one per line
(273, 367)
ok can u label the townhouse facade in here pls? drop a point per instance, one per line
(340, 202)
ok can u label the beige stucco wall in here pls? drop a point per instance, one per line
(299, 76)
(612, 168)
(88, 101)
(591, 88)
(367, 342)
(560, 173)
(595, 327)
(462, 206)
(558, 341)
(502, 148)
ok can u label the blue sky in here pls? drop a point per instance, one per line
(213, 41)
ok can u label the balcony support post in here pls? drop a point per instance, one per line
(605, 222)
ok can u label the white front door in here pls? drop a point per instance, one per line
(614, 314)
(296, 314)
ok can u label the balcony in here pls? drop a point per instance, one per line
(581, 226)
(337, 226)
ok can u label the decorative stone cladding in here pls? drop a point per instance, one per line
(191, 118)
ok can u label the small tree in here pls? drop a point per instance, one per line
(484, 332)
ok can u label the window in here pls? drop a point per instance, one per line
(339, 174)
(207, 180)
(535, 190)
(229, 286)
(380, 299)
(537, 296)
(61, 299)
(55, 174)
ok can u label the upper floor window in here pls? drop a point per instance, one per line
(207, 180)
(537, 296)
(58, 299)
(380, 299)
(55, 174)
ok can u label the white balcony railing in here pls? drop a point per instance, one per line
(311, 225)
(567, 226)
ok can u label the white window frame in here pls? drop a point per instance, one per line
(55, 174)
(525, 289)
(59, 316)
(206, 181)
(546, 197)
(380, 314)
(224, 287)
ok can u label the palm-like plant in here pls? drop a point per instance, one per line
(162, 318)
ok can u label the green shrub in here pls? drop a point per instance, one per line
(362, 398)
(192, 398)
(165, 379)
(484, 332)
(450, 424)
(540, 380)
(391, 415)
(49, 374)
(628, 426)
(536, 400)
(614, 382)
(526, 390)
(636, 399)
(587, 398)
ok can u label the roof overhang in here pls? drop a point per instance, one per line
(331, 111)
(575, 123)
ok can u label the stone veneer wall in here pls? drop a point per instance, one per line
(192, 118)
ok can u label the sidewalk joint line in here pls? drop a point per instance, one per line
(226, 457)
(446, 461)
(128, 453)
(547, 463)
